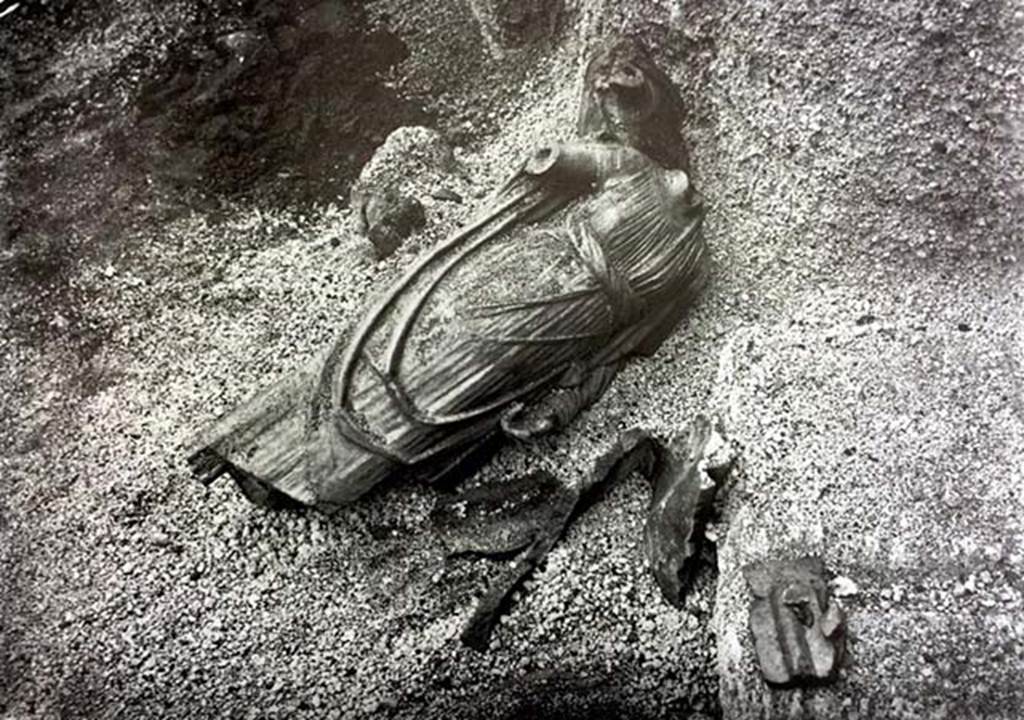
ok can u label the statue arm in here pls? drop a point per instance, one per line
(558, 407)
(578, 166)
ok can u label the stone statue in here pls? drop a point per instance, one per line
(588, 254)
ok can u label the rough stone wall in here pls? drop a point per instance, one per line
(865, 163)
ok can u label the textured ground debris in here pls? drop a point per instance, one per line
(527, 515)
(865, 174)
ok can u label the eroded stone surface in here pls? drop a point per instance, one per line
(387, 198)
(908, 485)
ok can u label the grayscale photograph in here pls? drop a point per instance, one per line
(512, 359)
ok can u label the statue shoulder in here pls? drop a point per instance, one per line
(586, 163)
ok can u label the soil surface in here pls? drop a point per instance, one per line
(175, 233)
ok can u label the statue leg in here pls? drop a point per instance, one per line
(279, 458)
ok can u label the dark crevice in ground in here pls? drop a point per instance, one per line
(278, 102)
(282, 89)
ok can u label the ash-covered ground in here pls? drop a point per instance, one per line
(175, 234)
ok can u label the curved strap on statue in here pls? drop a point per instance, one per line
(623, 304)
(553, 173)
(355, 347)
(510, 201)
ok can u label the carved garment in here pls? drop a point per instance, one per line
(555, 286)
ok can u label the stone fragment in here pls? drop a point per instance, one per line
(242, 44)
(843, 586)
(686, 473)
(682, 502)
(384, 197)
(446, 195)
(388, 217)
(797, 626)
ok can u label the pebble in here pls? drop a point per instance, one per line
(843, 586)
(159, 539)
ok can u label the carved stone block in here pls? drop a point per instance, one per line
(797, 626)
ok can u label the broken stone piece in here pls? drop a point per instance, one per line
(796, 624)
(843, 586)
(388, 217)
(384, 197)
(686, 474)
(681, 504)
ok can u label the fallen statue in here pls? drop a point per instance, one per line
(590, 253)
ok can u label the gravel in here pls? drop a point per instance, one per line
(861, 162)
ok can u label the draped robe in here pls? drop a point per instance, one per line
(562, 276)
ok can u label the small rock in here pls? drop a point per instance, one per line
(388, 218)
(446, 194)
(711, 533)
(242, 44)
(59, 322)
(843, 586)
(159, 539)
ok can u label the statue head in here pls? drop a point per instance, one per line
(629, 99)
